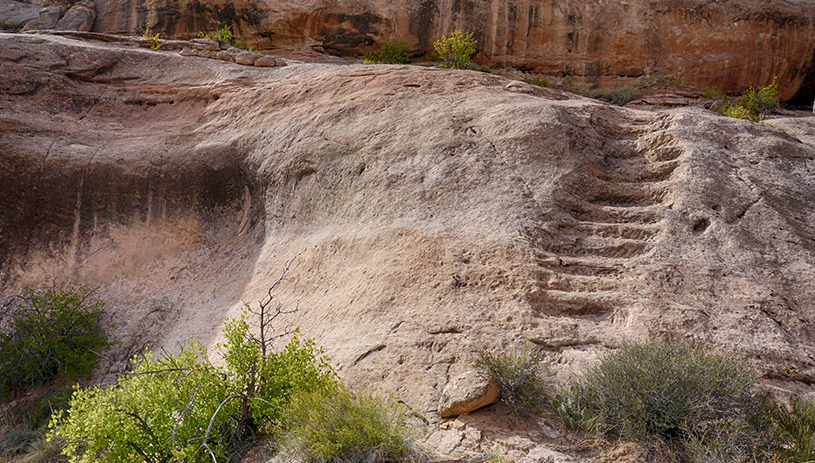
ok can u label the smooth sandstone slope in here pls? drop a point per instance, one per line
(424, 213)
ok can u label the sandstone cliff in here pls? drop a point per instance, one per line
(729, 44)
(425, 213)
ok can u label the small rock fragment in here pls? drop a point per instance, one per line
(187, 51)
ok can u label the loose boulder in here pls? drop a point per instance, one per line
(79, 17)
(465, 393)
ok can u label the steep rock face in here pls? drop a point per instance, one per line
(730, 45)
(423, 213)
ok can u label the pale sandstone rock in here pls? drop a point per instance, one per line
(187, 51)
(465, 393)
(247, 58)
(79, 17)
(265, 61)
(205, 44)
(426, 213)
(224, 55)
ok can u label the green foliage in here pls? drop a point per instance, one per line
(339, 426)
(183, 408)
(537, 81)
(754, 104)
(796, 432)
(52, 332)
(455, 50)
(616, 95)
(391, 51)
(224, 34)
(668, 391)
(154, 43)
(519, 375)
(483, 68)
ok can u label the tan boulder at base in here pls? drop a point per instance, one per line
(465, 393)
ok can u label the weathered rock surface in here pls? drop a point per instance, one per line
(730, 44)
(425, 213)
(78, 18)
(48, 18)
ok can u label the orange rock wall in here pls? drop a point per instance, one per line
(728, 44)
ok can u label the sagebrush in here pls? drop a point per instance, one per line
(669, 391)
(336, 425)
(520, 376)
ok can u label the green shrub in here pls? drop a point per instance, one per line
(668, 391)
(537, 81)
(52, 332)
(154, 42)
(796, 432)
(224, 34)
(455, 50)
(183, 408)
(754, 104)
(339, 426)
(520, 376)
(616, 95)
(483, 68)
(391, 51)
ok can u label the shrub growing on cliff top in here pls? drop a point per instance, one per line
(50, 333)
(754, 104)
(456, 50)
(391, 51)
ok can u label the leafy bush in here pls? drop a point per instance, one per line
(183, 408)
(391, 51)
(154, 42)
(754, 104)
(616, 95)
(455, 50)
(519, 375)
(668, 390)
(52, 332)
(224, 34)
(796, 432)
(339, 426)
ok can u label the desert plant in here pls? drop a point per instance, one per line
(224, 34)
(336, 425)
(668, 390)
(183, 408)
(50, 333)
(520, 376)
(455, 50)
(616, 95)
(796, 431)
(391, 51)
(154, 42)
(754, 104)
(540, 82)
